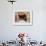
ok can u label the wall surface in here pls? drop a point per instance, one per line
(37, 30)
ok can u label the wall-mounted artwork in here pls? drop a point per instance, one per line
(23, 18)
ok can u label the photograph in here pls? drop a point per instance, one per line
(23, 18)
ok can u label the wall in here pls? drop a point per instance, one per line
(37, 30)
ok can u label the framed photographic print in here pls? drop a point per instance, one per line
(22, 18)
